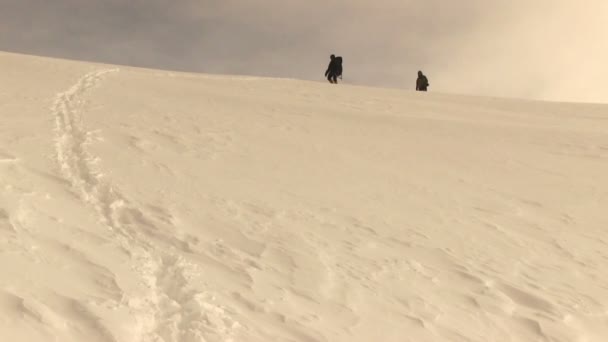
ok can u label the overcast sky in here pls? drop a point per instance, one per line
(543, 49)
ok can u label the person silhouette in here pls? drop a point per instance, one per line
(422, 83)
(334, 70)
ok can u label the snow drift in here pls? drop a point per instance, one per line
(143, 205)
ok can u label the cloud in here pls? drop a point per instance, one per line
(535, 49)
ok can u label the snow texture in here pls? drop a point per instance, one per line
(145, 205)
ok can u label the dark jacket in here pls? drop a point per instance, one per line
(422, 83)
(334, 67)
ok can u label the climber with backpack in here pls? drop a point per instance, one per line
(334, 70)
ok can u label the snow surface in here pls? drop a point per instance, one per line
(142, 205)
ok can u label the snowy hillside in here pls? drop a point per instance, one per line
(142, 205)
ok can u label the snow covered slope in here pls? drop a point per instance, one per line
(141, 205)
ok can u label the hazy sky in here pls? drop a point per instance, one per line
(546, 49)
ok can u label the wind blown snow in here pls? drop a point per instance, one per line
(144, 205)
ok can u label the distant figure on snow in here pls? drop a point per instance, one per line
(334, 70)
(422, 83)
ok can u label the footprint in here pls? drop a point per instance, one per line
(7, 157)
(5, 222)
(141, 144)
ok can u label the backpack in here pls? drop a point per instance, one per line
(338, 66)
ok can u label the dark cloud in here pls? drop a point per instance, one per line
(541, 49)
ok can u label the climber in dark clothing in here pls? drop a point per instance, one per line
(422, 83)
(334, 70)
